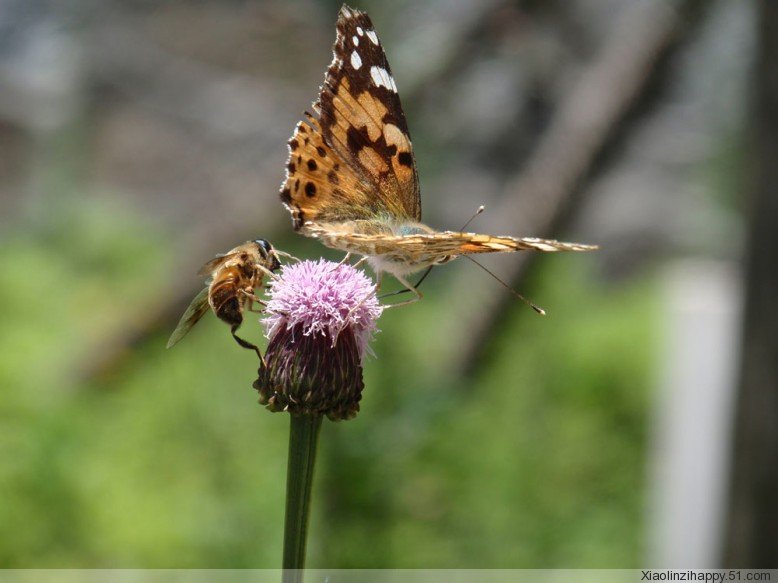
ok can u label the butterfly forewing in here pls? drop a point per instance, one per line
(361, 113)
(362, 129)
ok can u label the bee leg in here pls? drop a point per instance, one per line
(246, 343)
(250, 298)
(410, 288)
(285, 254)
(267, 272)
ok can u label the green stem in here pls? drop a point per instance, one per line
(303, 438)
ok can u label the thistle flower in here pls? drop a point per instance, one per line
(319, 321)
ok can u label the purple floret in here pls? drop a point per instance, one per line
(323, 298)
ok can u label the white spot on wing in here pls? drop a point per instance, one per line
(375, 76)
(373, 37)
(356, 62)
(360, 32)
(355, 40)
(381, 77)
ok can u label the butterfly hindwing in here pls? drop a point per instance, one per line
(319, 185)
(435, 247)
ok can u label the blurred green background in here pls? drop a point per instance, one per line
(140, 139)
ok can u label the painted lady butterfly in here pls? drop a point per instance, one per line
(351, 177)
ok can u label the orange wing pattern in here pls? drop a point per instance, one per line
(436, 247)
(319, 185)
(362, 128)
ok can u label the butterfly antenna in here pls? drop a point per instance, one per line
(470, 220)
(538, 309)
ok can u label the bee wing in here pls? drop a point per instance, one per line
(196, 310)
(215, 263)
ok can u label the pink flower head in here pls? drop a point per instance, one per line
(323, 298)
(319, 321)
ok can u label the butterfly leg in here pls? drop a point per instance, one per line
(409, 287)
(345, 259)
(363, 300)
(360, 262)
(406, 290)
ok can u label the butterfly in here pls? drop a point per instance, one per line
(351, 179)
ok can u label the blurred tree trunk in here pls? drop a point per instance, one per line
(752, 532)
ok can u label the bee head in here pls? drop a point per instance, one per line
(268, 253)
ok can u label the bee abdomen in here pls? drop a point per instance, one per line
(230, 311)
(225, 302)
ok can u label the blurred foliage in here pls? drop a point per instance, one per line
(169, 462)
(166, 131)
(537, 462)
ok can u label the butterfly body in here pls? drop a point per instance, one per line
(351, 177)
(377, 239)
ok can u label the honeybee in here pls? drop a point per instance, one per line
(233, 278)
